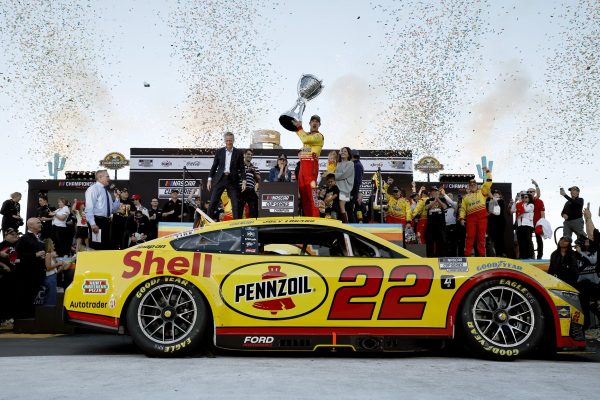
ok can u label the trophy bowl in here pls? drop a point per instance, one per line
(309, 87)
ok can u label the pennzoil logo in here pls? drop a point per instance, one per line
(277, 290)
(95, 286)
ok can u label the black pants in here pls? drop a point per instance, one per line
(228, 183)
(104, 225)
(435, 243)
(249, 197)
(62, 240)
(525, 244)
(496, 229)
(540, 246)
(452, 241)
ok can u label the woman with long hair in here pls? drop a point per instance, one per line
(281, 171)
(344, 179)
(524, 220)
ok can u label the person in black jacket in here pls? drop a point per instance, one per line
(11, 212)
(32, 268)
(563, 262)
(226, 173)
(572, 212)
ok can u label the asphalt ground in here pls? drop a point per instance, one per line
(104, 366)
(93, 343)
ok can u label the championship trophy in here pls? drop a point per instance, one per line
(309, 87)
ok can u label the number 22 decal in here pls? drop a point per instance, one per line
(392, 306)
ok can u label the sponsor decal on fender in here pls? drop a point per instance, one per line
(95, 286)
(499, 264)
(274, 290)
(88, 304)
(563, 311)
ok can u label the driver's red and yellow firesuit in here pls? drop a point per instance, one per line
(312, 143)
(420, 212)
(474, 209)
(398, 211)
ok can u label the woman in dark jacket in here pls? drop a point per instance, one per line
(280, 172)
(563, 262)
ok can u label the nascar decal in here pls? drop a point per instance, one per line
(95, 286)
(454, 264)
(273, 290)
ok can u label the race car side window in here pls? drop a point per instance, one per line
(301, 241)
(362, 247)
(221, 241)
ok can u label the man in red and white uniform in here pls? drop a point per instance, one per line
(312, 143)
(474, 210)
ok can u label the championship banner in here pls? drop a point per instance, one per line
(166, 186)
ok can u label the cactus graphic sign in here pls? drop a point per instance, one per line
(56, 166)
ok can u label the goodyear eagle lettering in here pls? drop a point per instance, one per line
(272, 288)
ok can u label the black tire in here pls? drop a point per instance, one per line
(167, 317)
(501, 319)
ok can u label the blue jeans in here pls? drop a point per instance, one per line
(50, 284)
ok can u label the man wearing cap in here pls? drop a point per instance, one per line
(309, 165)
(398, 211)
(474, 213)
(99, 207)
(572, 212)
(137, 203)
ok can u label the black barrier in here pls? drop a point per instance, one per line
(278, 199)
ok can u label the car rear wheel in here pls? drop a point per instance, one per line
(167, 317)
(502, 320)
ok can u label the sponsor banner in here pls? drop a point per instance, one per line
(278, 203)
(454, 264)
(166, 186)
(76, 184)
(271, 291)
(398, 165)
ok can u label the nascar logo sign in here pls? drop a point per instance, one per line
(95, 286)
(274, 290)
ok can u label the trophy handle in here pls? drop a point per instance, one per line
(287, 119)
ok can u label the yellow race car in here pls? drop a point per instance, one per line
(302, 284)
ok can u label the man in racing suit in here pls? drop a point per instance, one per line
(474, 210)
(312, 143)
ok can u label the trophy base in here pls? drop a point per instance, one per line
(287, 122)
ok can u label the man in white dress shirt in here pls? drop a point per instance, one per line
(99, 206)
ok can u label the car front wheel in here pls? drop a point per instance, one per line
(167, 317)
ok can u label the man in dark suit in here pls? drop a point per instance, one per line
(226, 173)
(32, 268)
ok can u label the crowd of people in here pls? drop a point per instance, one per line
(476, 222)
